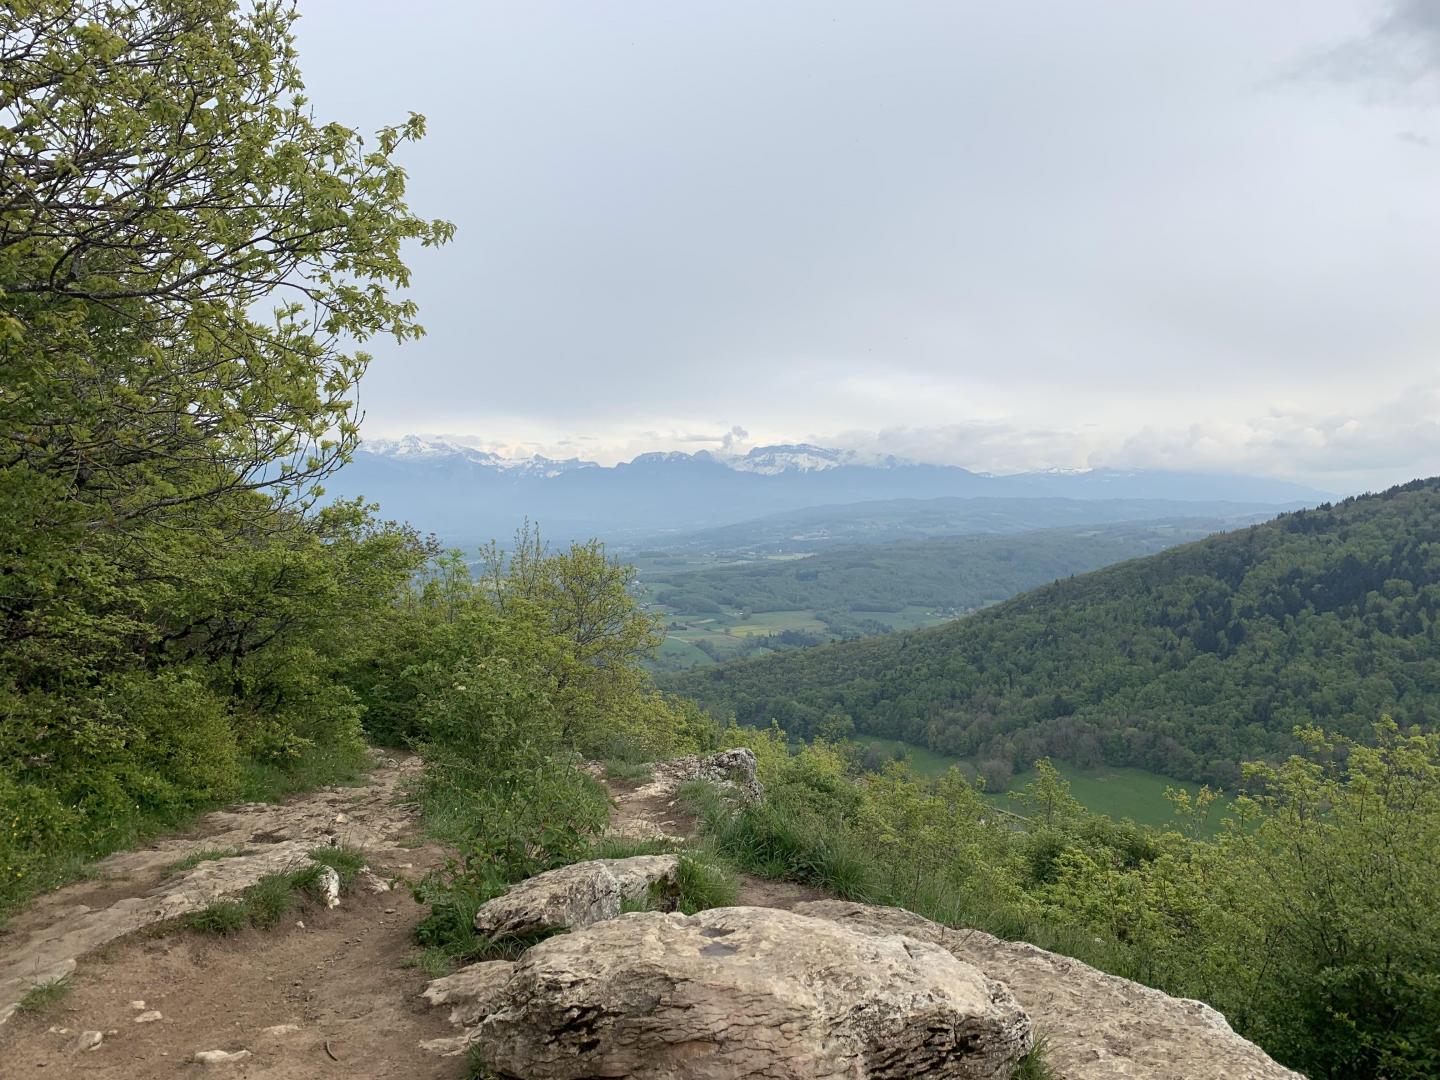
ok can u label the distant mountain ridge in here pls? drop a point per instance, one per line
(465, 493)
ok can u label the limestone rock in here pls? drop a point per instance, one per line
(1096, 1026)
(220, 1057)
(470, 991)
(730, 769)
(329, 884)
(87, 1040)
(738, 993)
(149, 1017)
(574, 896)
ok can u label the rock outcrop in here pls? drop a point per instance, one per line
(575, 896)
(1095, 1026)
(734, 770)
(737, 993)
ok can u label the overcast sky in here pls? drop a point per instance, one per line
(1006, 235)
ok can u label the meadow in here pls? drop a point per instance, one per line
(1116, 792)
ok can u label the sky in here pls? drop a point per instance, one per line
(1005, 235)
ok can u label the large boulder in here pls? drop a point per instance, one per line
(575, 896)
(738, 993)
(1095, 1026)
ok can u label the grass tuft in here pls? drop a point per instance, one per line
(222, 917)
(1035, 1065)
(44, 996)
(703, 885)
(633, 772)
(269, 900)
(624, 847)
(345, 860)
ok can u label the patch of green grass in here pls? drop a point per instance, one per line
(275, 895)
(265, 781)
(222, 917)
(433, 961)
(703, 885)
(923, 761)
(207, 855)
(1035, 1065)
(269, 900)
(775, 842)
(1116, 792)
(627, 771)
(345, 860)
(44, 996)
(1122, 793)
(625, 847)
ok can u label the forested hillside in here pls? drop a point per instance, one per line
(1186, 662)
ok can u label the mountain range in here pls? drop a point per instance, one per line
(465, 494)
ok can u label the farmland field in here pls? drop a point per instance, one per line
(1116, 792)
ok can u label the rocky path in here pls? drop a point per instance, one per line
(325, 993)
(650, 809)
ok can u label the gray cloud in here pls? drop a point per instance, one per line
(1397, 59)
(1040, 228)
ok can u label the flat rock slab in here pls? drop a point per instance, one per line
(1096, 1026)
(575, 896)
(740, 993)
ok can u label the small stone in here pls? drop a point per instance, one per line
(220, 1057)
(300, 924)
(373, 882)
(86, 1040)
(148, 1017)
(342, 819)
(280, 1029)
(390, 911)
(330, 887)
(55, 1029)
(137, 1004)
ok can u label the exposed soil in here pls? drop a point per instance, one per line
(343, 979)
(327, 993)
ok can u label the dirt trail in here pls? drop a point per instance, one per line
(328, 993)
(649, 810)
(342, 979)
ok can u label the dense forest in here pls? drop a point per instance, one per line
(1187, 662)
(954, 574)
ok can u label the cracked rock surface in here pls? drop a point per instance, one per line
(575, 896)
(1096, 1026)
(738, 993)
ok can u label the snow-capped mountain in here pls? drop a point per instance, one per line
(419, 448)
(762, 460)
(462, 489)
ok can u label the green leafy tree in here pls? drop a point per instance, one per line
(190, 266)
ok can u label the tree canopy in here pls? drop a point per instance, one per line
(1187, 662)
